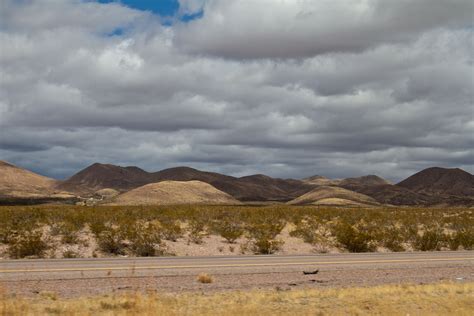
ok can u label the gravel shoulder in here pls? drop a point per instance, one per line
(358, 270)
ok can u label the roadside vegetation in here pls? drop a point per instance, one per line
(38, 231)
(431, 299)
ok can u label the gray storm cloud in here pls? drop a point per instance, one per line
(286, 88)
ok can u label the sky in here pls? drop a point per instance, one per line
(287, 88)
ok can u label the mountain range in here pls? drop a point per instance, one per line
(432, 186)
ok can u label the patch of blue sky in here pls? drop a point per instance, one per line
(168, 10)
(164, 8)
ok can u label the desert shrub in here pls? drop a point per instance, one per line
(463, 237)
(28, 244)
(171, 230)
(6, 235)
(392, 239)
(229, 229)
(409, 232)
(374, 223)
(466, 238)
(267, 246)
(111, 241)
(307, 229)
(143, 239)
(263, 232)
(353, 239)
(13, 224)
(197, 230)
(69, 233)
(312, 230)
(430, 239)
(97, 227)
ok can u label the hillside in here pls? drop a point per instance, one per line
(321, 180)
(101, 176)
(18, 182)
(174, 192)
(249, 188)
(330, 195)
(21, 186)
(370, 180)
(394, 195)
(441, 181)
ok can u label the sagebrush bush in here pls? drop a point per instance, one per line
(352, 239)
(312, 230)
(111, 241)
(69, 233)
(392, 239)
(171, 230)
(229, 229)
(431, 239)
(197, 230)
(263, 231)
(28, 244)
(144, 238)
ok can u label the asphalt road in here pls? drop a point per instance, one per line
(100, 275)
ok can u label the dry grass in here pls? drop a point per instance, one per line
(436, 299)
(204, 278)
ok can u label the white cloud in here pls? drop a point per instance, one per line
(393, 99)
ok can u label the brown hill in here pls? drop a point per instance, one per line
(441, 182)
(330, 195)
(250, 188)
(18, 182)
(394, 195)
(174, 192)
(369, 180)
(20, 186)
(101, 176)
(321, 180)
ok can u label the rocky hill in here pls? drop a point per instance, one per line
(441, 182)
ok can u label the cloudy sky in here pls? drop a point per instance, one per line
(288, 88)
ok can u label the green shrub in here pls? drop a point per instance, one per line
(392, 239)
(312, 230)
(353, 239)
(171, 230)
(111, 241)
(266, 246)
(463, 237)
(197, 230)
(69, 233)
(28, 244)
(263, 232)
(431, 239)
(143, 238)
(230, 230)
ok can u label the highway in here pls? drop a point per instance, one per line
(100, 275)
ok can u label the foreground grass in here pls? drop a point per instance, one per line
(434, 299)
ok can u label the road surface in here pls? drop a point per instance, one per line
(73, 277)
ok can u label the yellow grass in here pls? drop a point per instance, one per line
(204, 278)
(435, 299)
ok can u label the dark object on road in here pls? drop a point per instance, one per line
(311, 272)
